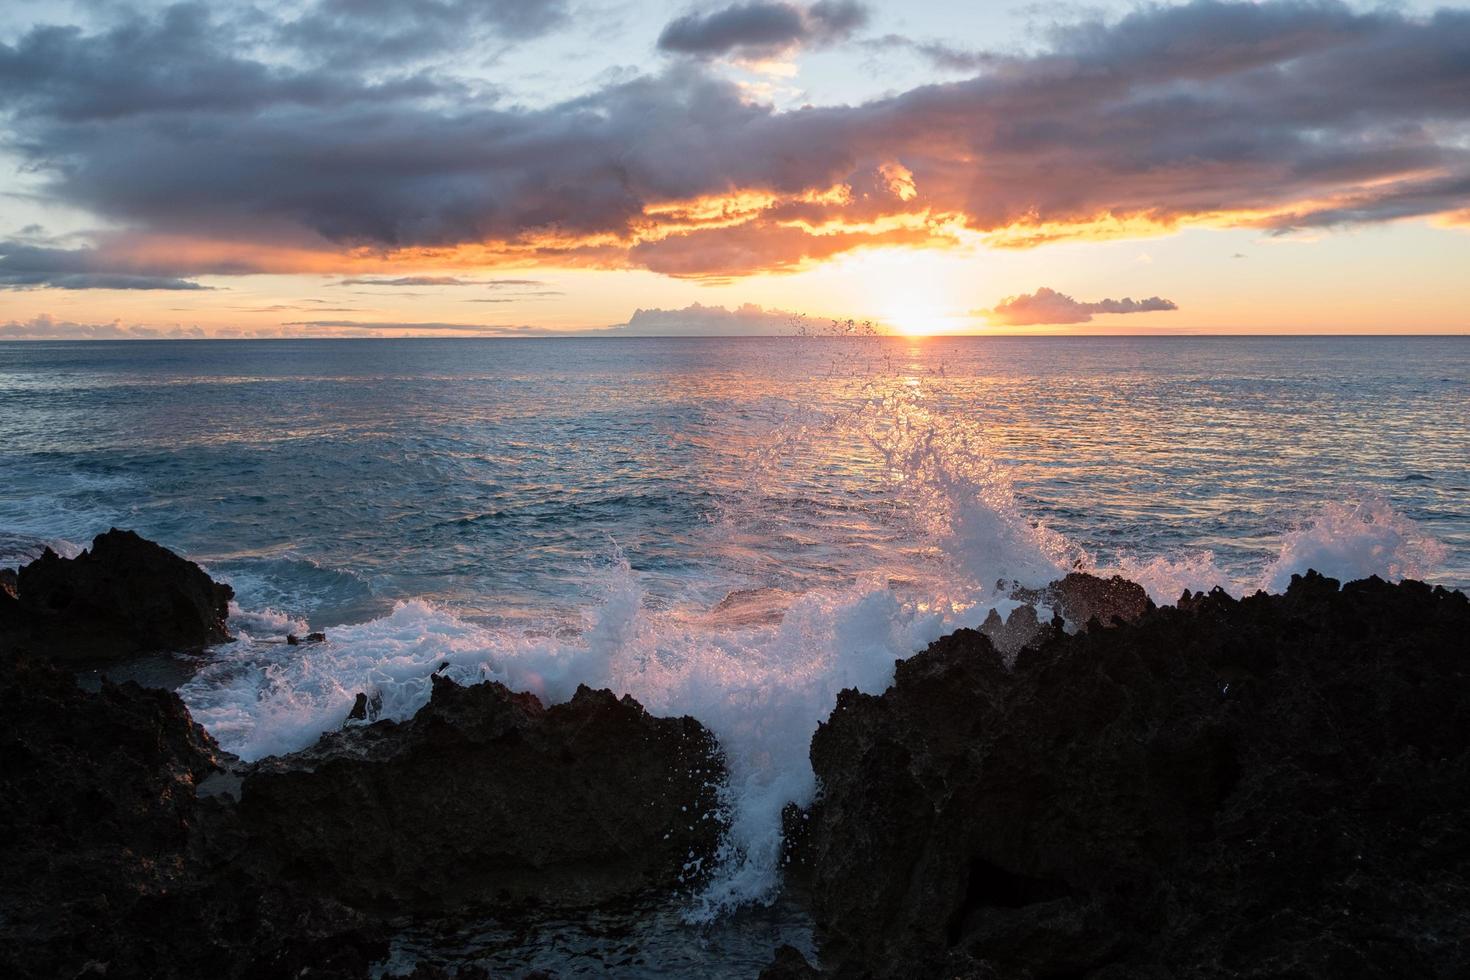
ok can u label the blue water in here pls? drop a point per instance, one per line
(734, 529)
(329, 478)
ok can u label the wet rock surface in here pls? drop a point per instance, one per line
(487, 798)
(134, 847)
(114, 867)
(1076, 600)
(1267, 787)
(122, 597)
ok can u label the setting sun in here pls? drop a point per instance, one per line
(913, 316)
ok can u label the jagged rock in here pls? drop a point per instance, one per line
(123, 597)
(113, 863)
(789, 964)
(1081, 598)
(485, 797)
(120, 848)
(1267, 787)
(1076, 600)
(1018, 629)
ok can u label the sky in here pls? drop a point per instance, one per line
(510, 168)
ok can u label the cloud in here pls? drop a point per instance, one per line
(182, 61)
(761, 28)
(1047, 306)
(47, 327)
(374, 32)
(1276, 116)
(368, 327)
(24, 266)
(698, 320)
(944, 56)
(439, 281)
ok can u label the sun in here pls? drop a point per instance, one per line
(914, 317)
(919, 325)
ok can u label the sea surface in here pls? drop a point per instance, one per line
(730, 528)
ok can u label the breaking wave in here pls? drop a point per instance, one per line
(762, 666)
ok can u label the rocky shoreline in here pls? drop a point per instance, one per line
(1270, 786)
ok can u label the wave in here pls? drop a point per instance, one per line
(762, 666)
(1350, 541)
(22, 549)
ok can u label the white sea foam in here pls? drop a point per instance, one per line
(264, 623)
(1166, 579)
(21, 549)
(761, 690)
(1350, 541)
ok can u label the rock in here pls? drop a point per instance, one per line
(1076, 600)
(366, 708)
(1019, 629)
(1080, 598)
(112, 860)
(10, 612)
(789, 964)
(487, 798)
(123, 597)
(1272, 786)
(125, 843)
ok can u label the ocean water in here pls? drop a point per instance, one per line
(730, 528)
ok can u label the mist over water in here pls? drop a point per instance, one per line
(732, 529)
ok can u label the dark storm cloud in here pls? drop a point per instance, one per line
(372, 32)
(1047, 306)
(24, 266)
(762, 28)
(1275, 115)
(177, 63)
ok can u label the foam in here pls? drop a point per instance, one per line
(1166, 578)
(762, 690)
(1349, 541)
(22, 549)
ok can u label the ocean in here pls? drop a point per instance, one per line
(730, 528)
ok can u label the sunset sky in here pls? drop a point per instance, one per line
(499, 167)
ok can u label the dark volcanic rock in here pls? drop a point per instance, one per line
(1081, 598)
(485, 798)
(1268, 787)
(113, 867)
(789, 964)
(122, 597)
(118, 852)
(130, 850)
(1078, 598)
